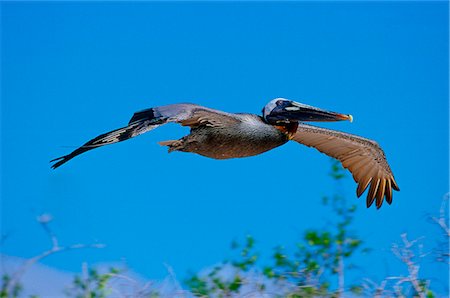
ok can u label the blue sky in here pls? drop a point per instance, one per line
(71, 71)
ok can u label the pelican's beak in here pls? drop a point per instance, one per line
(300, 112)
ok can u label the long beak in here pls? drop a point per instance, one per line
(301, 112)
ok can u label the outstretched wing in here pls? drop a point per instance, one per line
(146, 120)
(362, 157)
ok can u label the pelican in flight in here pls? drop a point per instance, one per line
(223, 135)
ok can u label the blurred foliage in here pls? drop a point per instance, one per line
(227, 278)
(9, 290)
(317, 262)
(94, 285)
(319, 259)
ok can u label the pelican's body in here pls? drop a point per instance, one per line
(222, 135)
(248, 136)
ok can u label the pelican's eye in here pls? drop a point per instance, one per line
(280, 102)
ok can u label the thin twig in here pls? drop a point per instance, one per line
(55, 248)
(443, 219)
(407, 256)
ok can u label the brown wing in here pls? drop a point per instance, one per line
(146, 120)
(362, 157)
(208, 117)
(186, 114)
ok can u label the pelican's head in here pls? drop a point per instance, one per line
(280, 110)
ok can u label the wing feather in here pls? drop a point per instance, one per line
(388, 192)
(362, 157)
(362, 186)
(380, 192)
(372, 191)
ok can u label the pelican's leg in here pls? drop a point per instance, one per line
(177, 145)
(172, 144)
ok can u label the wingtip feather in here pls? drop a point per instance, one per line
(58, 158)
(380, 193)
(60, 161)
(369, 201)
(362, 186)
(372, 192)
(394, 184)
(389, 192)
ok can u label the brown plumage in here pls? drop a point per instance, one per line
(362, 157)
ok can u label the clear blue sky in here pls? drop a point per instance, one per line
(71, 71)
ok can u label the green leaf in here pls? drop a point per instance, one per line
(269, 272)
(236, 284)
(357, 290)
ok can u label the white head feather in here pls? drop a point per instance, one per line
(270, 106)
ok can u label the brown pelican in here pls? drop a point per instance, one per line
(222, 135)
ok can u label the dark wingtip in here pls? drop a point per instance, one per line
(379, 204)
(358, 194)
(61, 160)
(58, 158)
(394, 184)
(369, 201)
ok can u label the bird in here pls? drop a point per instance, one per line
(221, 135)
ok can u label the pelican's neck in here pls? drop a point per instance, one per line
(288, 129)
